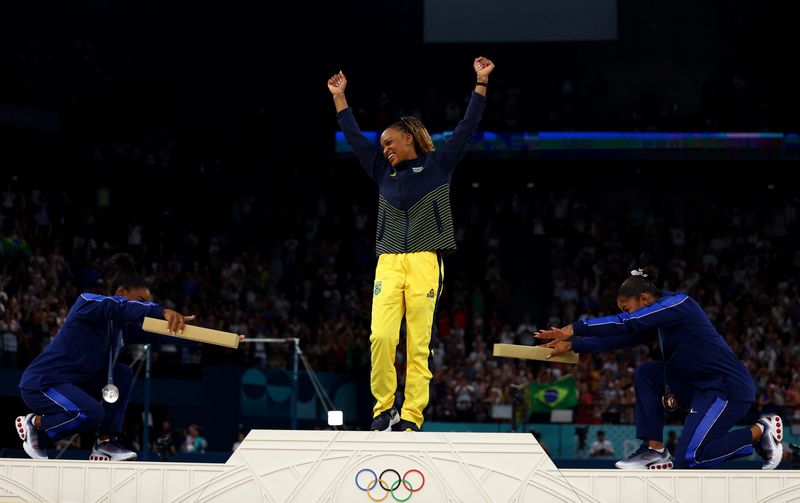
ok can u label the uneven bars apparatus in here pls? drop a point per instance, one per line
(295, 370)
(197, 334)
(322, 395)
(225, 339)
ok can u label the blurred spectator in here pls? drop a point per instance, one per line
(194, 440)
(239, 439)
(601, 446)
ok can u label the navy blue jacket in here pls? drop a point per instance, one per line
(79, 351)
(414, 211)
(697, 353)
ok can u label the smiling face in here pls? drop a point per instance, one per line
(397, 146)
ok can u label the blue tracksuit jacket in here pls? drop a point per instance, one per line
(697, 353)
(79, 351)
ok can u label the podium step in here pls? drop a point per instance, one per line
(330, 466)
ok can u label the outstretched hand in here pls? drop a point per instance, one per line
(176, 322)
(483, 67)
(337, 83)
(558, 347)
(557, 334)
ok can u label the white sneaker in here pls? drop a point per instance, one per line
(111, 450)
(646, 458)
(30, 438)
(770, 447)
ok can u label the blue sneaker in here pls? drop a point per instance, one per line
(385, 420)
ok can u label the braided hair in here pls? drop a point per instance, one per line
(413, 126)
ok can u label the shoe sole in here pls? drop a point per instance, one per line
(777, 427)
(21, 427)
(26, 446)
(776, 434)
(655, 466)
(102, 457)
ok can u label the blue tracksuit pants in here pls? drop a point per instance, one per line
(706, 439)
(73, 408)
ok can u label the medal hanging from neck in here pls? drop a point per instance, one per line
(669, 399)
(110, 392)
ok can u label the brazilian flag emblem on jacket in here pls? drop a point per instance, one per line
(561, 394)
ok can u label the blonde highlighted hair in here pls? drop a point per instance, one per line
(413, 126)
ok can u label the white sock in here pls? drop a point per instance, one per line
(660, 451)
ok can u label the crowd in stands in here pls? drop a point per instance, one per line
(302, 265)
(311, 279)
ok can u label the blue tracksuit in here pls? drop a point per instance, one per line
(63, 383)
(701, 369)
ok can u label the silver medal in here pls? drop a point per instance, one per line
(110, 393)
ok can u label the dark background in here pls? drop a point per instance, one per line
(184, 109)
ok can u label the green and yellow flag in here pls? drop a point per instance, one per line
(561, 394)
(14, 246)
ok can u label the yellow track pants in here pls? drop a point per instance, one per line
(405, 284)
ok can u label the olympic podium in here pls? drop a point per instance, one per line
(331, 466)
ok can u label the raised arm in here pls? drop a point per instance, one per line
(483, 67)
(455, 147)
(336, 85)
(366, 151)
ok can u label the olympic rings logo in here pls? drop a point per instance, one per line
(389, 489)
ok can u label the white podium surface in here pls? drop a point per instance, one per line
(330, 466)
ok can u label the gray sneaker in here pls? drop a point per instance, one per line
(385, 420)
(646, 458)
(111, 450)
(30, 437)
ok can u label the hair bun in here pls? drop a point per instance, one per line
(648, 273)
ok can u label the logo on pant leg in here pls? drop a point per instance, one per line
(377, 288)
(431, 294)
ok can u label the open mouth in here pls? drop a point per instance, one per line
(391, 157)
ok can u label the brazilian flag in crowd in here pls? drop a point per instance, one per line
(561, 394)
(14, 246)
